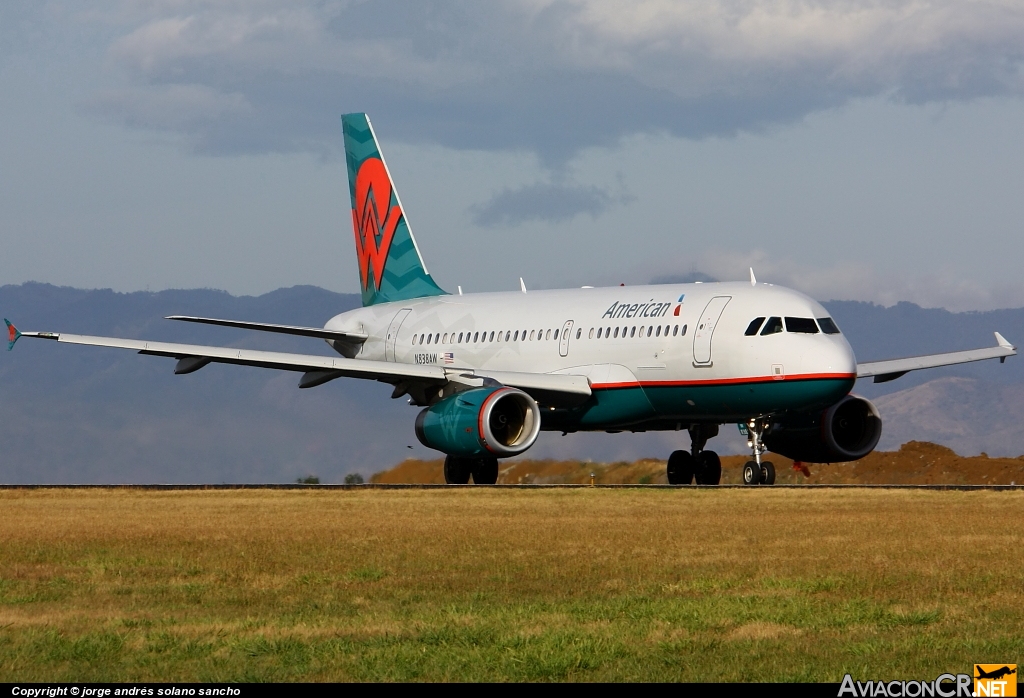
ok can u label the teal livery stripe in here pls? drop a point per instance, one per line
(621, 405)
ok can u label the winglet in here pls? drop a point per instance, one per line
(1002, 341)
(12, 334)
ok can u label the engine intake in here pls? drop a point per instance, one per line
(846, 431)
(498, 422)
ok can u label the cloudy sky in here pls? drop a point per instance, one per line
(855, 150)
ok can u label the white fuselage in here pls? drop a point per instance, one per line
(681, 336)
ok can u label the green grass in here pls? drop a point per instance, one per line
(507, 585)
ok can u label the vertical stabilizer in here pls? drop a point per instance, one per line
(390, 265)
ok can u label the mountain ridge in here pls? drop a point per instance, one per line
(72, 414)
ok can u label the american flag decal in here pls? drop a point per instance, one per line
(449, 357)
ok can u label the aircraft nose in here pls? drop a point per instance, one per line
(840, 357)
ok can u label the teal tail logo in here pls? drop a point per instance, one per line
(390, 266)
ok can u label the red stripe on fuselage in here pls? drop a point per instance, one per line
(726, 381)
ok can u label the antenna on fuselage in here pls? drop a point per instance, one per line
(753, 281)
(522, 284)
(460, 290)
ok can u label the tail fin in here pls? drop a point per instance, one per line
(390, 266)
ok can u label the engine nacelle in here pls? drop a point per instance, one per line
(498, 422)
(846, 431)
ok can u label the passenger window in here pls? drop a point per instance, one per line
(515, 337)
(649, 329)
(437, 338)
(632, 331)
(616, 335)
(600, 330)
(476, 336)
(445, 341)
(548, 335)
(675, 330)
(804, 325)
(591, 335)
(579, 333)
(773, 326)
(682, 332)
(556, 334)
(507, 335)
(828, 325)
(414, 339)
(658, 333)
(754, 326)
(429, 337)
(490, 337)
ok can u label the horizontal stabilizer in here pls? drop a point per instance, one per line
(322, 333)
(884, 371)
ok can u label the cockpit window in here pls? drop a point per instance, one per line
(805, 325)
(773, 325)
(754, 326)
(828, 325)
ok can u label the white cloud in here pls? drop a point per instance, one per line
(557, 75)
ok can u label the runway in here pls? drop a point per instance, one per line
(531, 486)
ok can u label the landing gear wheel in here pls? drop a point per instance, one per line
(709, 468)
(680, 468)
(767, 472)
(485, 471)
(456, 470)
(751, 473)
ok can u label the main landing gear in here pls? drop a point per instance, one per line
(757, 471)
(696, 465)
(457, 470)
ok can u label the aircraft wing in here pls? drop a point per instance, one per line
(317, 370)
(892, 369)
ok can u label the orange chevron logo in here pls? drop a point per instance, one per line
(374, 220)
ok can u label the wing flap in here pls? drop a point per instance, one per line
(884, 371)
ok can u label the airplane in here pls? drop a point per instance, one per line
(492, 370)
(994, 674)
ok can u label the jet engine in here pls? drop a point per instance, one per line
(846, 431)
(486, 421)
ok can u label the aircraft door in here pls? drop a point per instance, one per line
(392, 337)
(563, 340)
(706, 328)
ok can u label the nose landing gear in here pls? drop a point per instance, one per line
(757, 471)
(696, 465)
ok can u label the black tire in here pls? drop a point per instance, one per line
(456, 470)
(485, 471)
(767, 472)
(751, 473)
(709, 468)
(680, 468)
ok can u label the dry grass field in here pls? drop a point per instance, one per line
(491, 584)
(916, 463)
